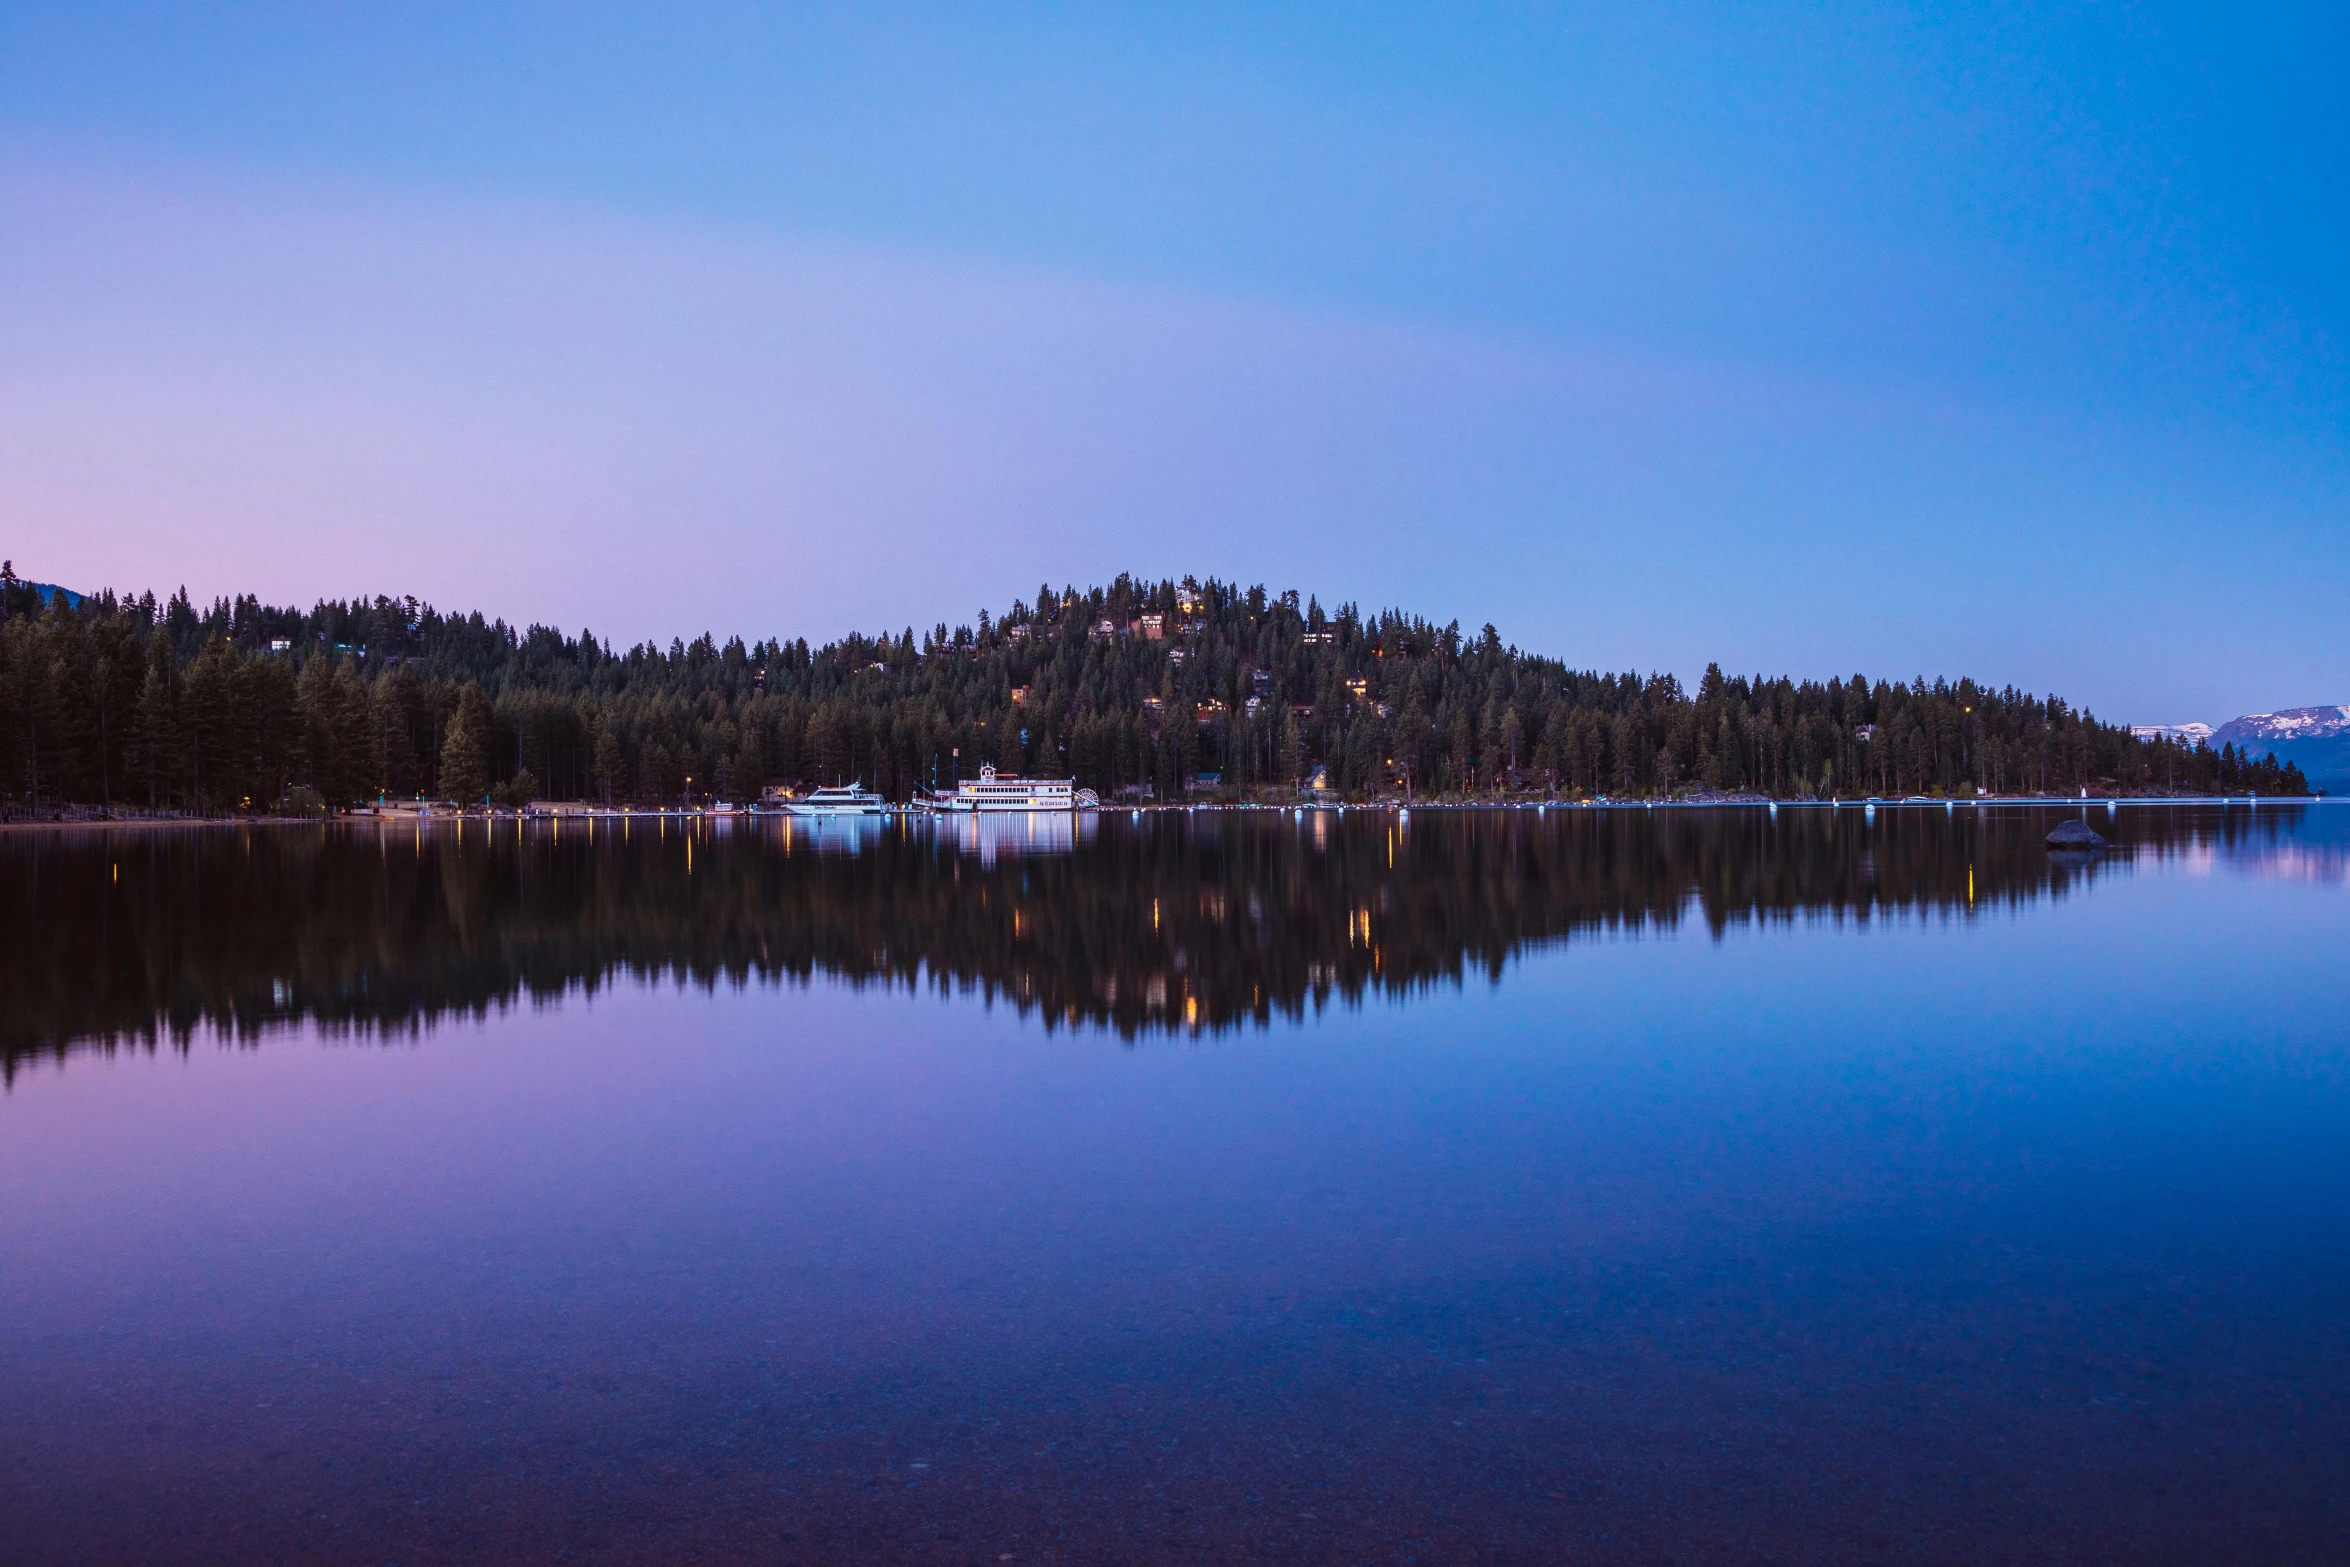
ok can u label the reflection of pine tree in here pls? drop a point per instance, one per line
(1223, 921)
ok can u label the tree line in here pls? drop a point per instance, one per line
(1161, 690)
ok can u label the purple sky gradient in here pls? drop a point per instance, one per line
(561, 411)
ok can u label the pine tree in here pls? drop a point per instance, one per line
(156, 723)
(609, 763)
(465, 750)
(114, 698)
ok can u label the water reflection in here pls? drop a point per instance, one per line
(1168, 921)
(1038, 832)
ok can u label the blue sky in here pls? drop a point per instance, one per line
(1826, 338)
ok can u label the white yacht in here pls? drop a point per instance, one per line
(994, 791)
(839, 800)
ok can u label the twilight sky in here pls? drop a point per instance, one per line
(2011, 341)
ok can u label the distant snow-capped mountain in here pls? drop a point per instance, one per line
(2292, 723)
(2184, 734)
(2315, 739)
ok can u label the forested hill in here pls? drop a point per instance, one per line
(1192, 688)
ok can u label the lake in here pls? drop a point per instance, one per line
(1586, 1185)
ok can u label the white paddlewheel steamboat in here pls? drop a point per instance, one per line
(994, 791)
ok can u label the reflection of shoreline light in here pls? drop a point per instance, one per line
(829, 834)
(1191, 922)
(983, 836)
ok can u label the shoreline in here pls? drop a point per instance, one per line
(155, 823)
(143, 824)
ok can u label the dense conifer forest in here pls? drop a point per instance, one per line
(1164, 690)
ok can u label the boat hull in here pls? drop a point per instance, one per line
(1040, 808)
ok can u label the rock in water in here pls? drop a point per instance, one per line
(2075, 834)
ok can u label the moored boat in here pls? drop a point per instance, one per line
(994, 791)
(839, 800)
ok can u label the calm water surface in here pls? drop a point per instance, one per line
(1647, 1187)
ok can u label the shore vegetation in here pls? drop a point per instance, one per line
(1164, 691)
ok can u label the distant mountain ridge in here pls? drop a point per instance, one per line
(2315, 739)
(2184, 734)
(12, 584)
(2291, 723)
